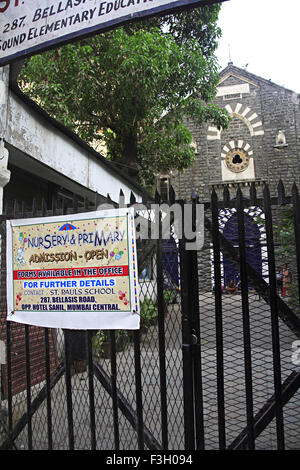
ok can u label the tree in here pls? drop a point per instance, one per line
(132, 87)
(285, 250)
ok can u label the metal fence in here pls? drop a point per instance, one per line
(209, 368)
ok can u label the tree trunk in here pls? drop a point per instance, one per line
(130, 154)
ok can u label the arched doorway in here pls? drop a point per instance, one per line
(253, 246)
(170, 261)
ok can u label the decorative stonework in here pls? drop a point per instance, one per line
(246, 114)
(265, 125)
(238, 145)
(213, 133)
(237, 160)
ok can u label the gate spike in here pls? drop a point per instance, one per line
(75, 202)
(33, 206)
(54, 204)
(121, 199)
(16, 208)
(86, 203)
(266, 191)
(145, 197)
(281, 193)
(97, 200)
(239, 196)
(172, 195)
(5, 209)
(132, 198)
(253, 195)
(214, 196)
(23, 208)
(157, 197)
(44, 207)
(226, 195)
(295, 191)
(65, 208)
(295, 188)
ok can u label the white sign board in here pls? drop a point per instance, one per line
(76, 271)
(29, 26)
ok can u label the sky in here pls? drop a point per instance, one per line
(264, 37)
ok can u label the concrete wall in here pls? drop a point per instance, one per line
(36, 137)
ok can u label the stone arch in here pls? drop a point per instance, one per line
(254, 212)
(246, 114)
(237, 144)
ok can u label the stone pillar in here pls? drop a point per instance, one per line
(4, 172)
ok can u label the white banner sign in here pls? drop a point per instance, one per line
(29, 26)
(77, 271)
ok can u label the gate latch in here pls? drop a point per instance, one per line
(194, 338)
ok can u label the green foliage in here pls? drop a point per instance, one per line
(97, 342)
(130, 88)
(148, 313)
(285, 233)
(169, 296)
(103, 336)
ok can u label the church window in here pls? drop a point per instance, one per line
(237, 160)
(163, 187)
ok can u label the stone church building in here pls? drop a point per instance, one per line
(261, 144)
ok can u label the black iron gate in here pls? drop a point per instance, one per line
(209, 368)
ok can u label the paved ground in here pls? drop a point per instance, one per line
(234, 385)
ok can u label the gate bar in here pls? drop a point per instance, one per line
(274, 319)
(125, 407)
(138, 389)
(28, 387)
(88, 338)
(187, 360)
(9, 382)
(246, 320)
(113, 361)
(296, 214)
(266, 414)
(8, 332)
(161, 339)
(218, 320)
(48, 389)
(285, 312)
(36, 403)
(196, 347)
(69, 389)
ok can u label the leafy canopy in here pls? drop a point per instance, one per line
(132, 88)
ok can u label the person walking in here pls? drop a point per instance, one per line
(287, 281)
(279, 280)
